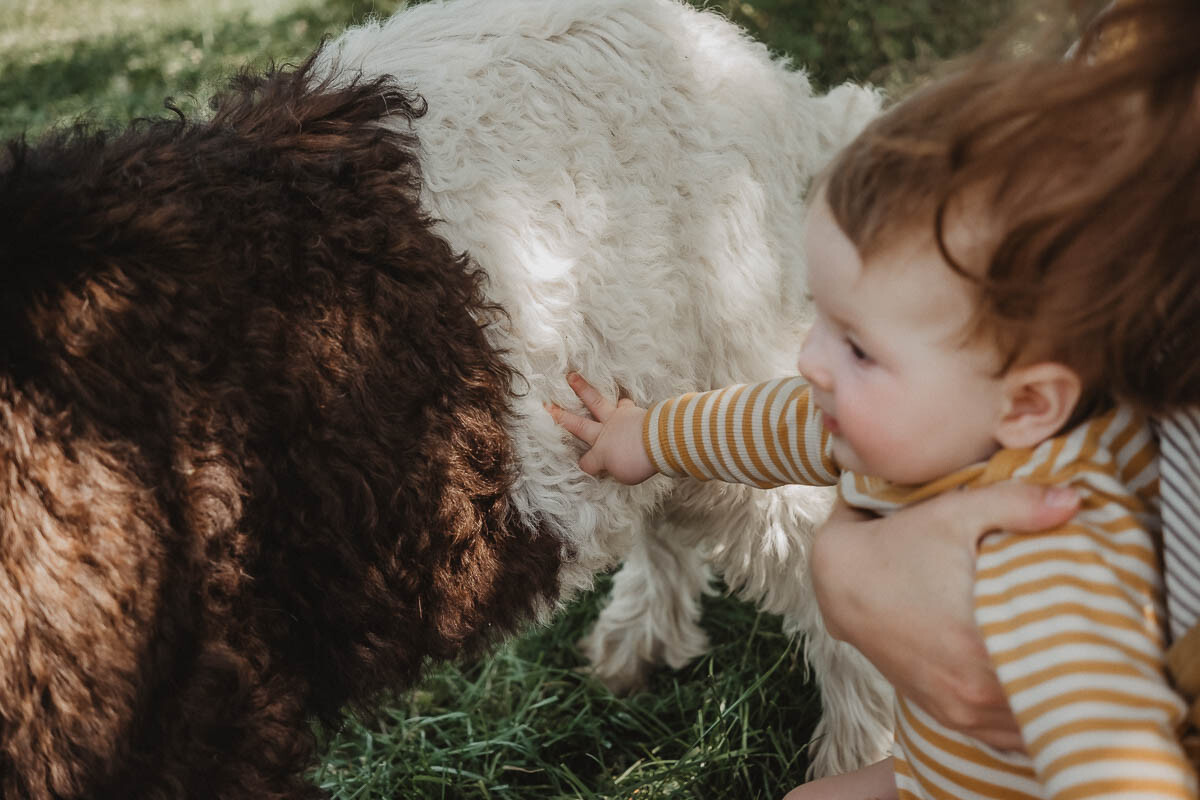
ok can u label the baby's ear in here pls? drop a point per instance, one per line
(1038, 400)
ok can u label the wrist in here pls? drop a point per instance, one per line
(835, 596)
(652, 446)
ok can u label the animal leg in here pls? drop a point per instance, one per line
(653, 614)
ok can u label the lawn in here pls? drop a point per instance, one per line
(523, 723)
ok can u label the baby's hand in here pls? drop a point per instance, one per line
(614, 435)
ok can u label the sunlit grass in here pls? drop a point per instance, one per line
(117, 60)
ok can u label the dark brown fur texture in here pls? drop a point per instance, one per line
(253, 461)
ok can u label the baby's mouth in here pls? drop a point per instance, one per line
(830, 422)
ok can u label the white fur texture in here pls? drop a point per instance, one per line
(630, 174)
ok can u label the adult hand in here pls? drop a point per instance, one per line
(899, 589)
(614, 434)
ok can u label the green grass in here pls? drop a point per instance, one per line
(888, 44)
(522, 723)
(118, 59)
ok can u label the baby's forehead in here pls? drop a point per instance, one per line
(913, 287)
(903, 280)
(916, 279)
(964, 231)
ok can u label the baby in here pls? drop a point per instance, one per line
(969, 289)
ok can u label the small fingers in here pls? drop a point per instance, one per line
(580, 427)
(596, 403)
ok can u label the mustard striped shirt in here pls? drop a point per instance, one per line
(1072, 618)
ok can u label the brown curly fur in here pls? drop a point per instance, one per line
(253, 460)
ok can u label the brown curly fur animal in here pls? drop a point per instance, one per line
(253, 463)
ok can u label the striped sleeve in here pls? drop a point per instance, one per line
(1181, 518)
(1073, 627)
(765, 434)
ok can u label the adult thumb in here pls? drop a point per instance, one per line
(1012, 506)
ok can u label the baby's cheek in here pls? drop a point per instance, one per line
(877, 447)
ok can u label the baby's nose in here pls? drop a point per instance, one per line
(811, 365)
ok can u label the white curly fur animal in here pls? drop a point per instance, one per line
(630, 174)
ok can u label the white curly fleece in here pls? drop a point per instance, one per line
(630, 174)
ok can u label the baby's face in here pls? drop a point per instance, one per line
(903, 396)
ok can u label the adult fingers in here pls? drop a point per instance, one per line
(987, 718)
(1006, 738)
(580, 427)
(1011, 506)
(596, 403)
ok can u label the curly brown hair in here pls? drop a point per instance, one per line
(253, 452)
(1087, 172)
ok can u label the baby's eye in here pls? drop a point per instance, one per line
(857, 351)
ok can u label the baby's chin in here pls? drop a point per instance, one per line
(848, 459)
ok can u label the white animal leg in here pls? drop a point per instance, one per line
(653, 614)
(758, 542)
